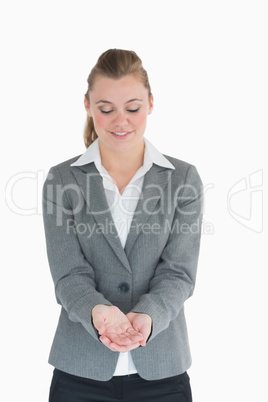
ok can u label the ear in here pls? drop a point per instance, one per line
(151, 104)
(87, 105)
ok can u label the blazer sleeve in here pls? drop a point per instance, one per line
(73, 276)
(175, 274)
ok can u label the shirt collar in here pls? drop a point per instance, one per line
(151, 155)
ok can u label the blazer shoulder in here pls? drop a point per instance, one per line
(65, 164)
(180, 166)
(184, 171)
(62, 171)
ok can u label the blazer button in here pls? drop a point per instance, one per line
(123, 287)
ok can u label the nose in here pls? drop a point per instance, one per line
(120, 119)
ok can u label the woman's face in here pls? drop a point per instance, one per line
(119, 108)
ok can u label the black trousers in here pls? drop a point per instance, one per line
(69, 388)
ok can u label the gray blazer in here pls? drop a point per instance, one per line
(154, 274)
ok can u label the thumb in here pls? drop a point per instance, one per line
(98, 322)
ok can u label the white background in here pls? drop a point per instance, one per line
(207, 62)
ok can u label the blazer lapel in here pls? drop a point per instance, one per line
(155, 181)
(90, 183)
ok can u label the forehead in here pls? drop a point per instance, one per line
(121, 89)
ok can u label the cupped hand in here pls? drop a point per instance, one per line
(115, 329)
(141, 323)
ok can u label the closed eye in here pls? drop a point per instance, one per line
(129, 110)
(105, 111)
(133, 110)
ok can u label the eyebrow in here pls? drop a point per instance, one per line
(110, 103)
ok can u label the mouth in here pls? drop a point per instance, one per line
(121, 134)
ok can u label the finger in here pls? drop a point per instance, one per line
(112, 345)
(120, 339)
(143, 343)
(102, 328)
(123, 348)
(124, 327)
(116, 329)
(146, 332)
(105, 340)
(135, 334)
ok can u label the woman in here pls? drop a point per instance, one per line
(122, 225)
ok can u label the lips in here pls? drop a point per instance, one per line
(121, 134)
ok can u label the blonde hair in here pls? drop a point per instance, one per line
(114, 63)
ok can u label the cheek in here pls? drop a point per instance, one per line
(100, 120)
(140, 119)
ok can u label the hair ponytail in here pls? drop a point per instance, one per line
(90, 134)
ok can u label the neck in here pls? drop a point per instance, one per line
(122, 161)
